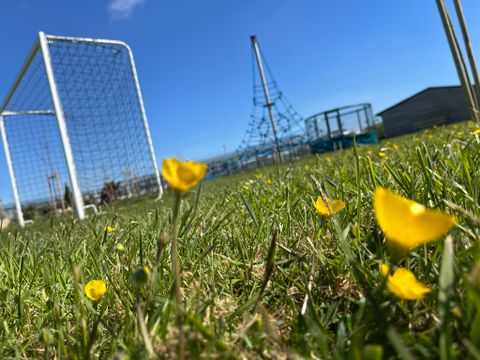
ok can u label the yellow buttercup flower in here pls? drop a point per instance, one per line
(408, 223)
(476, 132)
(95, 289)
(382, 154)
(330, 208)
(109, 229)
(403, 284)
(182, 176)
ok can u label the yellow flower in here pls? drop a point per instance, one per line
(330, 208)
(408, 223)
(403, 284)
(109, 229)
(182, 176)
(269, 181)
(476, 132)
(120, 248)
(95, 289)
(382, 154)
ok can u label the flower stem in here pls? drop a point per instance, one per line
(177, 277)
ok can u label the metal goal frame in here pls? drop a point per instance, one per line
(41, 45)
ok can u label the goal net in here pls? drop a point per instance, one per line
(74, 128)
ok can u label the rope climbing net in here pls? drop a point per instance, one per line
(259, 141)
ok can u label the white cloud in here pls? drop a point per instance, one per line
(122, 9)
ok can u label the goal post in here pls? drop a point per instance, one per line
(75, 111)
(11, 173)
(62, 127)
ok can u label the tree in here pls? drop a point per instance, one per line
(109, 192)
(68, 197)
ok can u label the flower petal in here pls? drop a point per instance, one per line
(183, 175)
(332, 208)
(321, 206)
(95, 289)
(408, 223)
(336, 206)
(403, 284)
(169, 170)
(384, 269)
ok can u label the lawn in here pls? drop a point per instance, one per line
(264, 275)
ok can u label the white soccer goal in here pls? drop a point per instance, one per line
(74, 127)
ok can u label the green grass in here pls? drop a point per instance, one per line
(264, 276)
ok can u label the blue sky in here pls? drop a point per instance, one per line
(194, 61)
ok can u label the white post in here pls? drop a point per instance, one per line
(62, 127)
(145, 121)
(16, 198)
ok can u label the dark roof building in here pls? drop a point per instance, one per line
(432, 106)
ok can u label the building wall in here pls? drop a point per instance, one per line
(433, 106)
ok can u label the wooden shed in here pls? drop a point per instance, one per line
(432, 106)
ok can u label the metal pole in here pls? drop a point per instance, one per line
(59, 190)
(16, 198)
(62, 127)
(145, 121)
(28, 112)
(327, 122)
(457, 57)
(339, 122)
(52, 195)
(359, 119)
(468, 46)
(367, 115)
(315, 122)
(268, 104)
(21, 74)
(372, 116)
